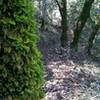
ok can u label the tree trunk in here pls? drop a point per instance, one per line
(64, 24)
(85, 14)
(92, 37)
(42, 25)
(44, 14)
(63, 13)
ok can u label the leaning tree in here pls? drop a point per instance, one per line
(84, 15)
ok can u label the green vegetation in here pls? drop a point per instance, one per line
(20, 62)
(69, 34)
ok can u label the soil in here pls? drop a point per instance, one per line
(68, 75)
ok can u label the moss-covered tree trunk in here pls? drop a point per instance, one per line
(63, 13)
(85, 14)
(21, 72)
(92, 37)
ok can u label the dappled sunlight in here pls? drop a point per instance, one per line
(49, 50)
(71, 81)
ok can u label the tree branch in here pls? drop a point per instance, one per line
(60, 8)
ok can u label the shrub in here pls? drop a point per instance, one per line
(20, 62)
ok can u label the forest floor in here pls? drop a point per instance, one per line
(68, 75)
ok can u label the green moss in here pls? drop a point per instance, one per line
(21, 72)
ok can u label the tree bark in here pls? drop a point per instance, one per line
(85, 14)
(92, 37)
(44, 14)
(64, 24)
(63, 13)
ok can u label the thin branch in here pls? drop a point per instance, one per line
(60, 8)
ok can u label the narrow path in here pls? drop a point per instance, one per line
(69, 75)
(66, 80)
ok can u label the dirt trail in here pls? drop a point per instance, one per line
(68, 75)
